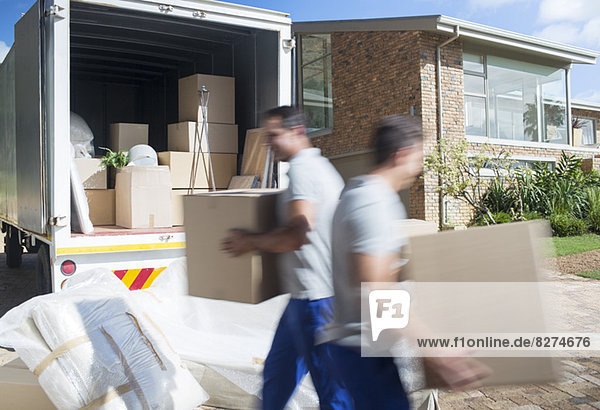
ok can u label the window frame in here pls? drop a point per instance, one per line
(483, 75)
(300, 82)
(593, 121)
(539, 140)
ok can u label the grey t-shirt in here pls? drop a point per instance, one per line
(363, 223)
(306, 273)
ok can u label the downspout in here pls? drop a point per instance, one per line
(440, 136)
(569, 112)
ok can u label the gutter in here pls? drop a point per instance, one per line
(440, 136)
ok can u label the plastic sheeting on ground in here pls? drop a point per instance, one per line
(223, 343)
(91, 346)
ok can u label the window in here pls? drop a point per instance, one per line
(315, 95)
(514, 100)
(588, 127)
(494, 165)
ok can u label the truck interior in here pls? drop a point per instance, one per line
(125, 67)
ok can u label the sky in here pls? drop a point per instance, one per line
(573, 22)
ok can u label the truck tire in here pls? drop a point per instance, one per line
(13, 248)
(42, 270)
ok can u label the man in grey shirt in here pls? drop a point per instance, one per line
(304, 242)
(365, 249)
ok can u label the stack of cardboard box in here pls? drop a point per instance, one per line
(220, 139)
(101, 200)
(141, 195)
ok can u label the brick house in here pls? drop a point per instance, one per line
(496, 87)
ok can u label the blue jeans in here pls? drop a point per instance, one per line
(294, 353)
(373, 382)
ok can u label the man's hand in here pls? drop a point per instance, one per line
(457, 373)
(237, 243)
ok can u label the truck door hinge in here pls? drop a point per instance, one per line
(54, 10)
(289, 43)
(57, 221)
(165, 8)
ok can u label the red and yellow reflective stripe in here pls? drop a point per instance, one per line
(136, 279)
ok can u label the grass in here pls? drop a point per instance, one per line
(592, 274)
(570, 245)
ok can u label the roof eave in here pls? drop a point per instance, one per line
(585, 105)
(520, 41)
(447, 25)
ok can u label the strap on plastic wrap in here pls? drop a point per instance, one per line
(147, 341)
(159, 330)
(110, 395)
(59, 351)
(128, 372)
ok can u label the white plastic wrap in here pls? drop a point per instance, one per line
(223, 343)
(82, 137)
(106, 353)
(80, 210)
(229, 339)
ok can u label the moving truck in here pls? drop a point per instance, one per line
(117, 61)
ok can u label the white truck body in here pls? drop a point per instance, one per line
(64, 50)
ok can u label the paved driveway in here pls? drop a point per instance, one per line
(580, 385)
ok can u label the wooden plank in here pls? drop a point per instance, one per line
(255, 152)
(244, 182)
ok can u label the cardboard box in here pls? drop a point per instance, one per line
(93, 176)
(224, 167)
(221, 102)
(143, 197)
(123, 136)
(20, 389)
(102, 206)
(222, 138)
(500, 253)
(250, 278)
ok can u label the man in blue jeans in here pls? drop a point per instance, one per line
(303, 241)
(366, 249)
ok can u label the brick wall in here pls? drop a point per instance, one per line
(374, 74)
(452, 102)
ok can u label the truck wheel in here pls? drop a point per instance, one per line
(13, 248)
(42, 270)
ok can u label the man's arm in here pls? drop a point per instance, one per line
(374, 268)
(301, 216)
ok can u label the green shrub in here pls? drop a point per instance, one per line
(593, 209)
(499, 197)
(530, 216)
(499, 218)
(566, 225)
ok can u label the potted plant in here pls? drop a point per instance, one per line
(576, 125)
(113, 161)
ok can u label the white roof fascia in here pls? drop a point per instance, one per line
(214, 11)
(444, 24)
(511, 39)
(585, 105)
(382, 24)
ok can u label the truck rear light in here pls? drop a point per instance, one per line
(68, 268)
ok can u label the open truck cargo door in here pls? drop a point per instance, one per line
(30, 151)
